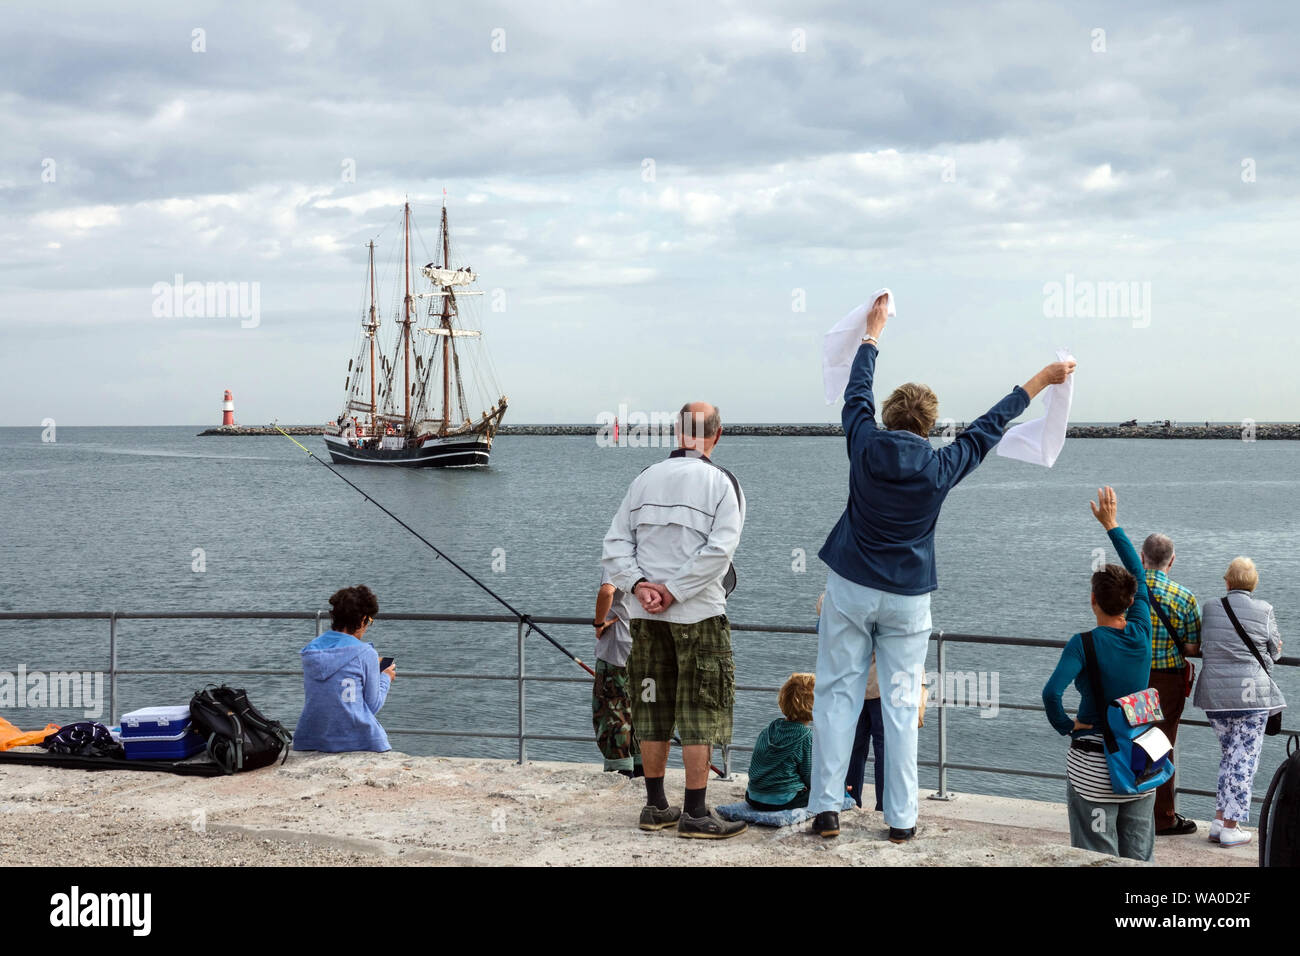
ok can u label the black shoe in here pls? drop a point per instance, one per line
(709, 827)
(1180, 827)
(638, 771)
(652, 818)
(897, 835)
(826, 824)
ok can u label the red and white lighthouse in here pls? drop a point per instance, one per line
(228, 409)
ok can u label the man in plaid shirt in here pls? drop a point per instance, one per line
(1172, 607)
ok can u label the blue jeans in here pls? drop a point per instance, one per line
(855, 622)
(870, 736)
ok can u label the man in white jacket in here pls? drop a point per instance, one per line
(671, 544)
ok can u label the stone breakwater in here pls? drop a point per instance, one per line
(248, 430)
(1259, 432)
(1270, 432)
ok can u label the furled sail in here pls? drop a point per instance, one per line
(445, 277)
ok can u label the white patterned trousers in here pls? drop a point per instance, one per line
(1241, 738)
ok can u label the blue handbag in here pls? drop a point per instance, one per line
(1138, 754)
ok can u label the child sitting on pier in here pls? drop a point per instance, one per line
(781, 768)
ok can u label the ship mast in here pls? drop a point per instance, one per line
(447, 347)
(406, 325)
(373, 328)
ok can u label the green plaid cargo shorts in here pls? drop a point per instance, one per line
(683, 677)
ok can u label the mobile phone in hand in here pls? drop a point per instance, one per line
(385, 663)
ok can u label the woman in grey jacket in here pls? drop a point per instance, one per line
(1237, 694)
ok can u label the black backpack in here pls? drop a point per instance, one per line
(238, 735)
(1279, 818)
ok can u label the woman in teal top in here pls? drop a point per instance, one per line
(1122, 641)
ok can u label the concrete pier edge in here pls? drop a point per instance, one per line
(393, 809)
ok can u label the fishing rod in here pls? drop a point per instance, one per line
(523, 618)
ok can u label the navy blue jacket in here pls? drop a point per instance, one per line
(897, 483)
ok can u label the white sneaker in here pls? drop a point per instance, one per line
(1233, 836)
(1216, 827)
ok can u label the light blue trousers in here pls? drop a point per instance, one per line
(856, 621)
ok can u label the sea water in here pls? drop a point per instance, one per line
(158, 519)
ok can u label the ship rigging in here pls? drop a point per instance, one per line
(406, 404)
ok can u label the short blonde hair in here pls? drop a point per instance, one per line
(796, 697)
(1242, 575)
(911, 408)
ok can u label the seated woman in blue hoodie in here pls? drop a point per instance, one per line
(342, 680)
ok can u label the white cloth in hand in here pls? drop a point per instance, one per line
(1040, 441)
(841, 343)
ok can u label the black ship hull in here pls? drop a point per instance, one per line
(454, 452)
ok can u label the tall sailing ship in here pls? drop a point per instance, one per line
(405, 404)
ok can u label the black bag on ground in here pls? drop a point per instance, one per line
(84, 739)
(239, 737)
(1279, 818)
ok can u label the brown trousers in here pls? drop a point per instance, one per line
(1172, 688)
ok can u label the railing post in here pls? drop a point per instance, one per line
(942, 793)
(112, 667)
(523, 745)
(319, 632)
(726, 762)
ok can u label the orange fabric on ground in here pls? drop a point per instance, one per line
(11, 736)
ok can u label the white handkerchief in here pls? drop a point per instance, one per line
(841, 343)
(1040, 441)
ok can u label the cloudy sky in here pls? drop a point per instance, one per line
(675, 199)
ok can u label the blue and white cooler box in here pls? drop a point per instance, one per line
(159, 733)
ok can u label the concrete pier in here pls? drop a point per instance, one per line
(396, 810)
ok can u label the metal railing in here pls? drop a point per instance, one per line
(521, 678)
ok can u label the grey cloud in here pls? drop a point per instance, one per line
(552, 134)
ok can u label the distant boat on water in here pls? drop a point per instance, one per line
(395, 412)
